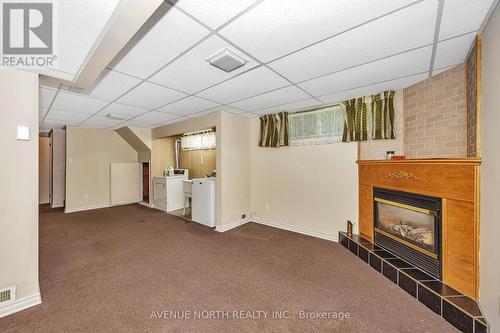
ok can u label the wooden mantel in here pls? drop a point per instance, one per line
(456, 181)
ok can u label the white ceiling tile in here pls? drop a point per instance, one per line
(462, 16)
(100, 122)
(152, 118)
(310, 102)
(192, 73)
(69, 118)
(41, 112)
(49, 125)
(130, 123)
(370, 42)
(79, 24)
(275, 28)
(248, 115)
(405, 64)
(110, 85)
(46, 96)
(453, 51)
(176, 120)
(199, 114)
(440, 70)
(374, 89)
(149, 95)
(122, 110)
(273, 98)
(191, 104)
(213, 12)
(254, 82)
(172, 34)
(78, 103)
(226, 108)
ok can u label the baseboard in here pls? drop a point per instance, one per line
(232, 225)
(81, 209)
(300, 230)
(20, 304)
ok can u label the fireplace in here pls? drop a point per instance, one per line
(409, 225)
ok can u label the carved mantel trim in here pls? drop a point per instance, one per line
(400, 174)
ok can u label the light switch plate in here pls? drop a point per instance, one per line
(23, 133)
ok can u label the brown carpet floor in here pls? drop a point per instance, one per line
(107, 270)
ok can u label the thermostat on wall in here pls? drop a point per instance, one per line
(23, 133)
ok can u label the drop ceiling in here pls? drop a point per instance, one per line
(299, 54)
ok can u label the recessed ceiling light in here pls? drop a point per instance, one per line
(227, 60)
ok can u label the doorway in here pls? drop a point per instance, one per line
(145, 182)
(44, 170)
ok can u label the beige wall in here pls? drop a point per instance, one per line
(306, 188)
(490, 172)
(89, 153)
(234, 168)
(126, 181)
(435, 116)
(377, 149)
(19, 179)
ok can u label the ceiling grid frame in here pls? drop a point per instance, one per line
(216, 32)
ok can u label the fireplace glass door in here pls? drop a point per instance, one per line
(409, 225)
(413, 226)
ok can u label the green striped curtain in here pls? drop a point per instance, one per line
(382, 109)
(274, 130)
(372, 114)
(356, 124)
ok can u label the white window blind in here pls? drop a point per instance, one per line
(205, 140)
(316, 127)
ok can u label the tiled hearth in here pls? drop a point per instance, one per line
(459, 310)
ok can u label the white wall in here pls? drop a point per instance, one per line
(19, 185)
(311, 189)
(490, 172)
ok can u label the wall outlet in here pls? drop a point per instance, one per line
(267, 207)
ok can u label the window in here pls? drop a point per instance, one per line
(321, 126)
(202, 140)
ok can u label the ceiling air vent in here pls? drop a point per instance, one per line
(227, 60)
(7, 295)
(114, 117)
